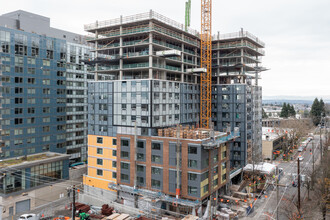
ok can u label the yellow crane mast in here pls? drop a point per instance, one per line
(206, 62)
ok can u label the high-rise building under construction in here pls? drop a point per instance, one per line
(153, 63)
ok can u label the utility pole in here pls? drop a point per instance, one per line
(298, 185)
(135, 157)
(321, 141)
(177, 165)
(277, 196)
(313, 164)
(73, 202)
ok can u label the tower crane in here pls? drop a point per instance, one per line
(206, 62)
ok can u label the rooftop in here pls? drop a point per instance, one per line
(154, 15)
(271, 133)
(30, 159)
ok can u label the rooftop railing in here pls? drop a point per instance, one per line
(139, 17)
(238, 35)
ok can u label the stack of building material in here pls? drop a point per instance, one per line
(160, 132)
(113, 216)
(190, 217)
(226, 213)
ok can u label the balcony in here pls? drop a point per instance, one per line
(136, 65)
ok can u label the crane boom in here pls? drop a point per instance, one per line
(206, 62)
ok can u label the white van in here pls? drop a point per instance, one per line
(29, 217)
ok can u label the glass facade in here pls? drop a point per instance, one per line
(17, 179)
(44, 90)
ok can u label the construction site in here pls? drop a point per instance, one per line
(174, 114)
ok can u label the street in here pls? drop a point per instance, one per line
(266, 205)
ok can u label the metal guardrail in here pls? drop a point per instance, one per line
(139, 17)
(238, 35)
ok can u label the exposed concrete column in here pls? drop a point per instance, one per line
(218, 59)
(196, 78)
(150, 51)
(120, 51)
(242, 51)
(182, 60)
(96, 53)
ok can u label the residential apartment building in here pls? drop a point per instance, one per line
(151, 61)
(43, 87)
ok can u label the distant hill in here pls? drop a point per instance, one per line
(292, 99)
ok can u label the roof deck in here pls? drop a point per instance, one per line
(31, 159)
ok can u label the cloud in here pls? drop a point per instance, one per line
(296, 32)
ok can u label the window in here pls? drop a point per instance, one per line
(140, 144)
(31, 130)
(206, 188)
(31, 110)
(46, 110)
(192, 163)
(114, 153)
(155, 184)
(155, 170)
(99, 162)
(46, 82)
(18, 100)
(114, 175)
(125, 143)
(99, 151)
(192, 190)
(46, 91)
(18, 90)
(99, 172)
(192, 150)
(224, 177)
(45, 100)
(155, 159)
(46, 119)
(156, 146)
(223, 165)
(114, 164)
(215, 182)
(123, 107)
(140, 156)
(124, 166)
(140, 180)
(99, 140)
(18, 111)
(224, 153)
(18, 121)
(114, 142)
(124, 177)
(192, 176)
(140, 168)
(124, 154)
(18, 131)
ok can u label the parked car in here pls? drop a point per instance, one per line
(300, 149)
(29, 217)
(301, 158)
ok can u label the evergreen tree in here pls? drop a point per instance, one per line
(291, 110)
(264, 115)
(284, 111)
(316, 111)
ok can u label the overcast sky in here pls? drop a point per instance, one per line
(296, 32)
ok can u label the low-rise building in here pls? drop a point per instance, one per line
(273, 141)
(27, 182)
